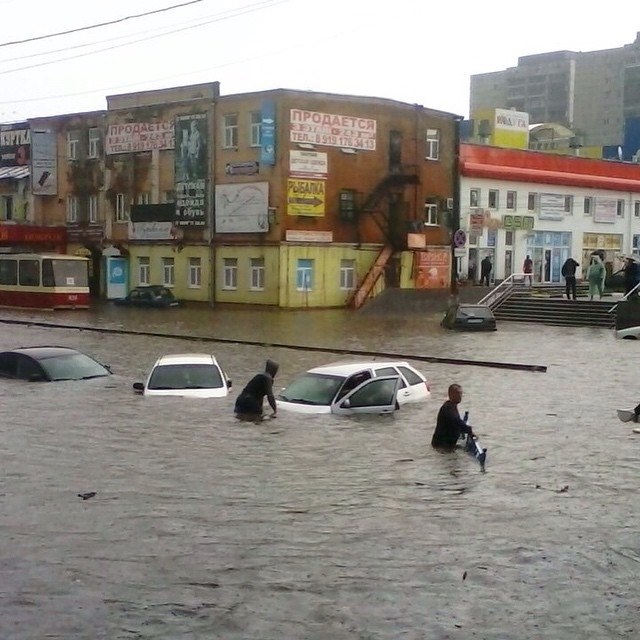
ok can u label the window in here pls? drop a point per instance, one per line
(568, 205)
(195, 273)
(255, 124)
(230, 130)
(304, 275)
(72, 145)
(433, 144)
(347, 204)
(508, 238)
(474, 197)
(29, 273)
(144, 270)
(144, 197)
(256, 274)
(72, 209)
(493, 198)
(7, 208)
(532, 202)
(588, 206)
(620, 208)
(347, 275)
(511, 200)
(636, 209)
(230, 273)
(94, 142)
(636, 249)
(168, 272)
(430, 213)
(93, 208)
(121, 211)
(8, 271)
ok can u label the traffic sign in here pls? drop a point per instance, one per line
(459, 238)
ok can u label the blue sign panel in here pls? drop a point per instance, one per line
(117, 271)
(268, 133)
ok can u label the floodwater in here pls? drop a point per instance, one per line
(323, 528)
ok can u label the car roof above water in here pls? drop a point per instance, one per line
(44, 352)
(186, 358)
(349, 367)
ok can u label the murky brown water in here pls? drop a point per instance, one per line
(322, 528)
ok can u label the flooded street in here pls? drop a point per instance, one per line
(321, 528)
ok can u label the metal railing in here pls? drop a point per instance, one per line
(505, 289)
(626, 296)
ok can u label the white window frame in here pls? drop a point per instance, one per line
(587, 207)
(568, 205)
(144, 270)
(493, 200)
(513, 196)
(230, 274)
(255, 128)
(620, 208)
(432, 140)
(347, 275)
(72, 209)
(121, 210)
(230, 131)
(430, 214)
(94, 142)
(256, 274)
(144, 197)
(304, 274)
(195, 273)
(532, 202)
(168, 272)
(72, 145)
(92, 205)
(636, 209)
(474, 197)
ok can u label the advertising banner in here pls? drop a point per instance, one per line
(329, 129)
(15, 144)
(432, 268)
(191, 169)
(551, 206)
(305, 197)
(44, 163)
(131, 137)
(242, 208)
(308, 164)
(605, 210)
(268, 133)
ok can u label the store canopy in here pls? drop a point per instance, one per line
(14, 173)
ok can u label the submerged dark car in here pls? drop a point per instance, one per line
(469, 317)
(155, 296)
(49, 364)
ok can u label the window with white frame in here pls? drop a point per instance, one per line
(430, 213)
(256, 274)
(94, 142)
(568, 205)
(230, 273)
(636, 209)
(230, 130)
(121, 208)
(347, 275)
(195, 273)
(144, 270)
(494, 196)
(512, 200)
(72, 208)
(474, 197)
(93, 208)
(620, 208)
(532, 202)
(73, 142)
(347, 204)
(255, 125)
(304, 274)
(636, 245)
(433, 144)
(168, 272)
(144, 197)
(588, 206)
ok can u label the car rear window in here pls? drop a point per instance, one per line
(186, 376)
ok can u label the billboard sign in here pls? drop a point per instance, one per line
(308, 164)
(305, 197)
(268, 133)
(132, 137)
(15, 144)
(191, 169)
(242, 208)
(44, 163)
(333, 130)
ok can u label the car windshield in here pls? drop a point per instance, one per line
(186, 376)
(74, 366)
(312, 388)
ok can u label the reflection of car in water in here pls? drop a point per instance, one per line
(355, 387)
(469, 317)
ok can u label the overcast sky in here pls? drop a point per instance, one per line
(416, 51)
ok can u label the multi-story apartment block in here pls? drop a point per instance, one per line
(593, 93)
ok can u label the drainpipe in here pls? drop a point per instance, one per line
(455, 214)
(210, 205)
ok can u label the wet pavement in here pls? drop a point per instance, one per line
(322, 528)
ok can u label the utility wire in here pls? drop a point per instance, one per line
(101, 24)
(215, 18)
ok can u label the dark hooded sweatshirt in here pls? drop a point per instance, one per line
(261, 385)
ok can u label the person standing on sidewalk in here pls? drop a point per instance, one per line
(527, 269)
(485, 270)
(595, 276)
(569, 272)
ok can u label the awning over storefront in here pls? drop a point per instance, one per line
(14, 173)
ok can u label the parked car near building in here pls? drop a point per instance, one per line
(155, 296)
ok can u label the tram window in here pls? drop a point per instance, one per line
(8, 272)
(70, 273)
(29, 273)
(48, 279)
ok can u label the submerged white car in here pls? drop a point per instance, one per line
(355, 387)
(188, 375)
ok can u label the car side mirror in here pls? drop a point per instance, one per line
(229, 384)
(346, 404)
(138, 387)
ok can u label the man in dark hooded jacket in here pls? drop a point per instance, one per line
(249, 402)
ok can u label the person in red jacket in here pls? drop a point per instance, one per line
(527, 269)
